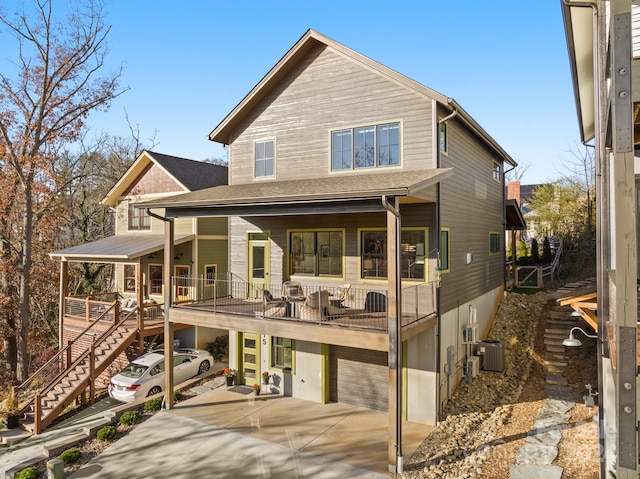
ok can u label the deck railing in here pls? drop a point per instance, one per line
(363, 307)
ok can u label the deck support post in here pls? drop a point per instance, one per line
(168, 326)
(394, 274)
(64, 290)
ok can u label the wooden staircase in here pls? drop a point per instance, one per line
(41, 405)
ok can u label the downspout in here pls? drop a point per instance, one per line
(600, 180)
(453, 114)
(395, 343)
(168, 330)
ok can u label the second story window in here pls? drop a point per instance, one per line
(139, 219)
(497, 171)
(365, 147)
(264, 166)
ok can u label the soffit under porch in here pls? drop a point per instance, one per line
(334, 193)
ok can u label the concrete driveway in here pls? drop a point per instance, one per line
(226, 434)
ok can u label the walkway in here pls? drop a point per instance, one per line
(534, 459)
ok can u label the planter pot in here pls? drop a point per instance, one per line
(257, 392)
(230, 380)
(11, 422)
(265, 380)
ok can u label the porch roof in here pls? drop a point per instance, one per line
(114, 249)
(515, 220)
(349, 192)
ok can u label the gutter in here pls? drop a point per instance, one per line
(453, 114)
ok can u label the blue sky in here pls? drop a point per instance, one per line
(189, 63)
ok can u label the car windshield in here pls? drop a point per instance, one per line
(134, 370)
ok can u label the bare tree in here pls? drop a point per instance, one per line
(518, 172)
(44, 101)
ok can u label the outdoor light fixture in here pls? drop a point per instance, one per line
(576, 313)
(571, 341)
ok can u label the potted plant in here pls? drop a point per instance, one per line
(265, 377)
(11, 412)
(256, 389)
(230, 375)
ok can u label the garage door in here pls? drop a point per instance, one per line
(359, 377)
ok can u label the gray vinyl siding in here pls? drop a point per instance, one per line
(417, 215)
(471, 207)
(325, 92)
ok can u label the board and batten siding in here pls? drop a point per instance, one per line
(416, 215)
(327, 91)
(471, 207)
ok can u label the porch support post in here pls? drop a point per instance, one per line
(140, 302)
(625, 266)
(168, 300)
(395, 337)
(64, 292)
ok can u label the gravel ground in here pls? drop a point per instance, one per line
(487, 420)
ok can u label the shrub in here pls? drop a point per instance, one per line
(130, 417)
(547, 257)
(70, 455)
(31, 472)
(535, 251)
(219, 347)
(153, 404)
(107, 433)
(177, 396)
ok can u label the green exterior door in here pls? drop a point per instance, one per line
(251, 358)
(259, 267)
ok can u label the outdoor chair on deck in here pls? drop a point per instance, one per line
(317, 307)
(273, 307)
(292, 290)
(339, 302)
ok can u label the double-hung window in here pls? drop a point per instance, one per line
(494, 243)
(282, 353)
(265, 159)
(316, 253)
(373, 247)
(130, 278)
(139, 219)
(155, 279)
(365, 147)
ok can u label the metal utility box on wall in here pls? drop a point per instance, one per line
(492, 355)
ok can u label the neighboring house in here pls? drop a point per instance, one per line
(523, 194)
(603, 38)
(112, 326)
(330, 154)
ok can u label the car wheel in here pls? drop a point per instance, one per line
(204, 367)
(154, 390)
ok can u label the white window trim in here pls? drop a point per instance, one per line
(263, 178)
(359, 171)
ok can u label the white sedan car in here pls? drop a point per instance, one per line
(144, 376)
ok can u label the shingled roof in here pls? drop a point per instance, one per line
(194, 175)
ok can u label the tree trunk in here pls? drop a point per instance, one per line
(22, 372)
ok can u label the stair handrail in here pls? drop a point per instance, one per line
(83, 356)
(43, 392)
(16, 390)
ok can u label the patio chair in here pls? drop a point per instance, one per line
(292, 290)
(339, 302)
(375, 302)
(274, 307)
(317, 307)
